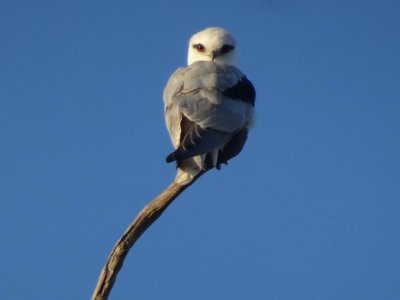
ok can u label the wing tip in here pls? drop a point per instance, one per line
(170, 158)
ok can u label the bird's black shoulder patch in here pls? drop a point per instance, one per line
(242, 91)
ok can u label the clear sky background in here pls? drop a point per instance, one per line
(309, 210)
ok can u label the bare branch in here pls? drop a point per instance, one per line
(143, 220)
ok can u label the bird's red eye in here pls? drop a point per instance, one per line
(199, 47)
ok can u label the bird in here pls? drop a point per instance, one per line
(208, 106)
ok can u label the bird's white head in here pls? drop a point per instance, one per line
(212, 44)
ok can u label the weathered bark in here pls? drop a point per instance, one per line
(143, 220)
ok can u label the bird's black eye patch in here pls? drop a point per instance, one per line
(226, 48)
(199, 47)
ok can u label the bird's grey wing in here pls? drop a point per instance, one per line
(216, 96)
(172, 113)
(216, 99)
(196, 140)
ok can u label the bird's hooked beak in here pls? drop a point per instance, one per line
(214, 55)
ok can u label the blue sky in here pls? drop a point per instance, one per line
(309, 210)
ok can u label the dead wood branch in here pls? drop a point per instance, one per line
(151, 212)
